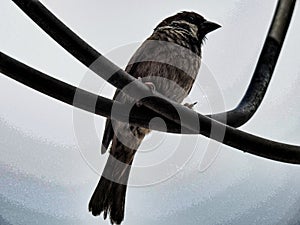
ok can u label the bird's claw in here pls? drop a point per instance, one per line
(151, 87)
(190, 105)
(149, 84)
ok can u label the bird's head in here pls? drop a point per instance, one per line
(190, 22)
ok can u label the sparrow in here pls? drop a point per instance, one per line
(168, 61)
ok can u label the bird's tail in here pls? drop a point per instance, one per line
(109, 196)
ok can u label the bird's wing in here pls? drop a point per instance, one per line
(108, 130)
(136, 60)
(107, 136)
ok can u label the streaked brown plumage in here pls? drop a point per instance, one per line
(170, 59)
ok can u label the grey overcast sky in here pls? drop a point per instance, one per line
(48, 165)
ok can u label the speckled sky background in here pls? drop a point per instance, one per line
(46, 177)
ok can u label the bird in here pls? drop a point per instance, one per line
(168, 62)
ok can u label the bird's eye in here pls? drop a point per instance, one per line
(192, 19)
(176, 24)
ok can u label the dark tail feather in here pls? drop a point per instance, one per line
(109, 196)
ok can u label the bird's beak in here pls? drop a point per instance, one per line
(208, 26)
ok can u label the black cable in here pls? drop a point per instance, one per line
(102, 106)
(264, 68)
(103, 67)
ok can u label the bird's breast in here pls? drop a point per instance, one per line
(169, 66)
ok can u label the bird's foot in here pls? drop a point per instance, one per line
(151, 87)
(190, 105)
(149, 84)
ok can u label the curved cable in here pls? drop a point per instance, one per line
(104, 68)
(102, 106)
